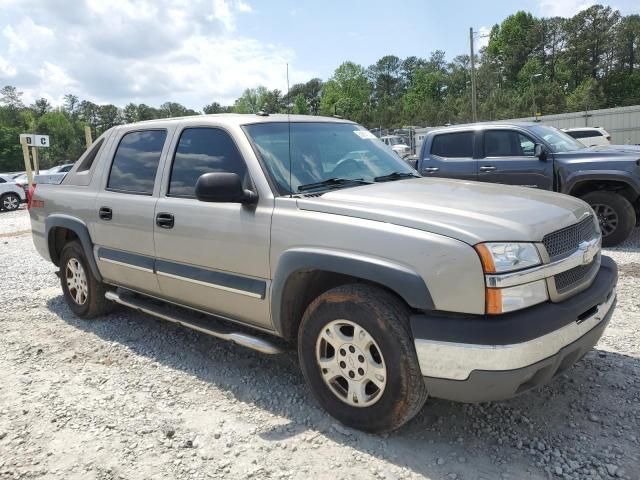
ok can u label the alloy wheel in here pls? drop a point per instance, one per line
(351, 363)
(76, 281)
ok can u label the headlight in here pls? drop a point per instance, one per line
(503, 257)
(507, 257)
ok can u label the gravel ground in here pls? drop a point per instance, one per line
(128, 396)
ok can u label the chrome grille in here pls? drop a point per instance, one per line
(565, 281)
(564, 242)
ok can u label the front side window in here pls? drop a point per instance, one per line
(507, 143)
(453, 145)
(136, 162)
(200, 151)
(321, 151)
(527, 146)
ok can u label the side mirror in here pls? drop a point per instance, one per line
(539, 151)
(223, 187)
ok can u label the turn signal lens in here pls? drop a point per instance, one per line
(503, 300)
(486, 258)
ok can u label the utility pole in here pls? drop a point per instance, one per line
(474, 112)
(533, 95)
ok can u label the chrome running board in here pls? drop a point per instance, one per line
(210, 327)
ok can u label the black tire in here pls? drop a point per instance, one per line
(10, 202)
(386, 319)
(95, 303)
(621, 211)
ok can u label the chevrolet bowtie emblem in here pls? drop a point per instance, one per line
(589, 251)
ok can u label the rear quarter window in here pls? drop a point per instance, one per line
(455, 145)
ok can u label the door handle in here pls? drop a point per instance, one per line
(488, 168)
(430, 169)
(105, 213)
(165, 220)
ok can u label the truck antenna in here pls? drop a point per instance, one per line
(289, 132)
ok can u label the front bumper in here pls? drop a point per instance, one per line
(474, 358)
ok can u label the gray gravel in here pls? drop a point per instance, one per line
(128, 396)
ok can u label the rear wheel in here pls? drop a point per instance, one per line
(357, 355)
(615, 215)
(84, 293)
(10, 202)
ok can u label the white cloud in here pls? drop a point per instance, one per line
(142, 51)
(563, 8)
(243, 7)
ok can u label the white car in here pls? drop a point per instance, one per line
(589, 136)
(11, 195)
(397, 145)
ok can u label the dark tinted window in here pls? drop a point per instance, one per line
(585, 133)
(199, 151)
(91, 156)
(453, 145)
(506, 143)
(2, 180)
(136, 161)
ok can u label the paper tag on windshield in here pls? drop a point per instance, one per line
(364, 134)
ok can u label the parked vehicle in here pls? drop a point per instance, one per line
(394, 287)
(543, 157)
(59, 169)
(397, 145)
(11, 195)
(589, 136)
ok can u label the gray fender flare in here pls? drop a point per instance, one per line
(578, 177)
(80, 229)
(405, 282)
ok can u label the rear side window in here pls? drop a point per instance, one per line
(453, 145)
(585, 133)
(200, 151)
(136, 161)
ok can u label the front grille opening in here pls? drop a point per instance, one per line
(565, 241)
(583, 316)
(565, 281)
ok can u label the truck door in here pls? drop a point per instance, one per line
(212, 256)
(450, 155)
(123, 213)
(508, 157)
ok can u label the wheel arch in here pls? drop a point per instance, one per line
(303, 274)
(618, 182)
(60, 229)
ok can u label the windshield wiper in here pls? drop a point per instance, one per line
(333, 182)
(395, 176)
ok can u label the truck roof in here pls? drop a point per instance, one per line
(482, 126)
(240, 119)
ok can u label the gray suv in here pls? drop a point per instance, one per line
(311, 232)
(542, 157)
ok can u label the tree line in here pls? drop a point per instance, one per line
(552, 65)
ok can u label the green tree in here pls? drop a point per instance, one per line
(300, 105)
(347, 93)
(41, 106)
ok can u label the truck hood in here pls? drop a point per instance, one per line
(622, 153)
(472, 212)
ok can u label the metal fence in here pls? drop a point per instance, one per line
(622, 123)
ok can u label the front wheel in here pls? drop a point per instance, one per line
(615, 215)
(10, 202)
(357, 355)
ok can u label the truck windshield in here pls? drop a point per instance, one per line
(559, 141)
(322, 151)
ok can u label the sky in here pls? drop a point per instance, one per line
(200, 51)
